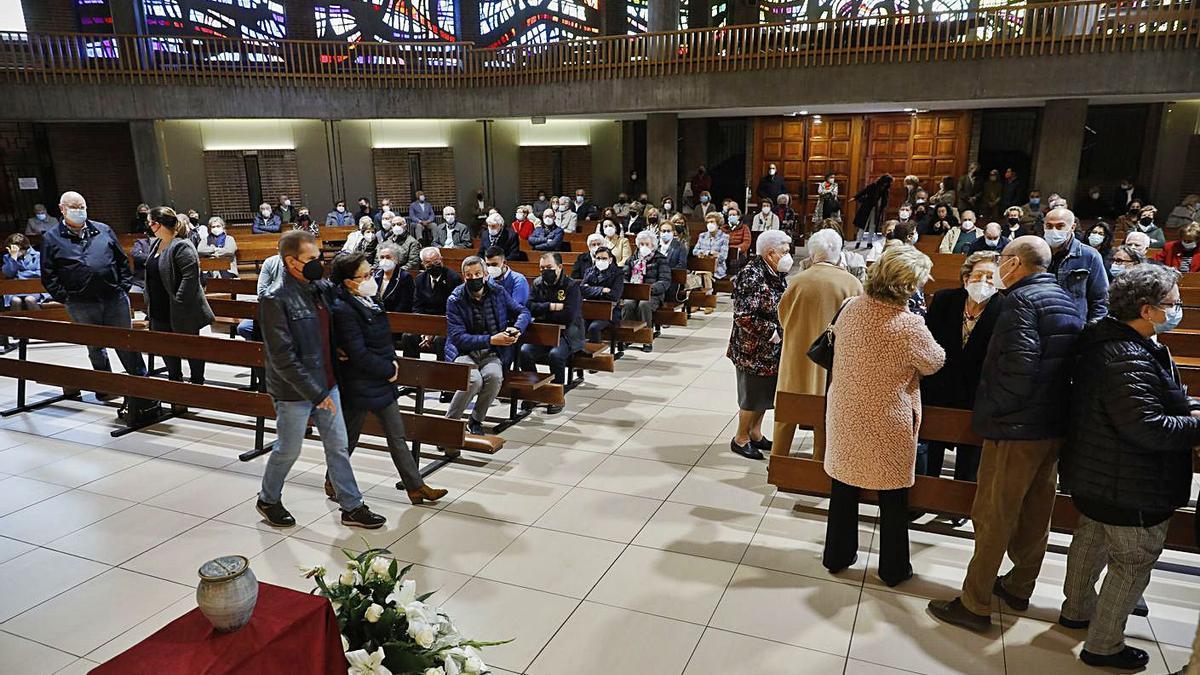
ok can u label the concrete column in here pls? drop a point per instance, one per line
(743, 12)
(127, 18)
(1060, 145)
(468, 22)
(614, 17)
(1180, 121)
(151, 161)
(694, 152)
(662, 155)
(663, 16)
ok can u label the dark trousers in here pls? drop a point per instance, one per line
(557, 357)
(393, 427)
(174, 363)
(595, 330)
(931, 455)
(841, 532)
(411, 346)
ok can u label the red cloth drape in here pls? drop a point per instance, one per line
(290, 633)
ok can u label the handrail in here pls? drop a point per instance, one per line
(1060, 27)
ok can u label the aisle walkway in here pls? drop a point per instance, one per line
(620, 536)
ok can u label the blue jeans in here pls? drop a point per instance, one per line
(245, 329)
(291, 420)
(113, 312)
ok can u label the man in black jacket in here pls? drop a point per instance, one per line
(297, 334)
(431, 289)
(555, 298)
(85, 268)
(1018, 412)
(1128, 459)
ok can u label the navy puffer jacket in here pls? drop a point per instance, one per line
(1024, 388)
(1131, 431)
(363, 337)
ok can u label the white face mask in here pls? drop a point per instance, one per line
(287, 202)
(266, 213)
(520, 216)
(495, 232)
(784, 264)
(992, 242)
(494, 271)
(218, 231)
(387, 264)
(666, 206)
(369, 236)
(771, 171)
(602, 265)
(710, 226)
(76, 216)
(905, 215)
(998, 278)
(766, 210)
(1095, 239)
(1056, 238)
(967, 225)
(341, 209)
(578, 199)
(980, 291)
(646, 250)
(387, 208)
(610, 230)
(449, 219)
(368, 288)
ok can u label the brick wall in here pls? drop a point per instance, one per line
(393, 178)
(50, 16)
(96, 160)
(228, 191)
(537, 167)
(19, 156)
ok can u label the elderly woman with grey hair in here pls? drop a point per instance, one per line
(756, 341)
(647, 266)
(1127, 462)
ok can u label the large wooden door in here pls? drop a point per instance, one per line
(831, 148)
(779, 140)
(889, 148)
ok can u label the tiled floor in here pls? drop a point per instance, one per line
(620, 536)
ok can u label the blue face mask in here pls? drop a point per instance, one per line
(1171, 320)
(1116, 270)
(1035, 201)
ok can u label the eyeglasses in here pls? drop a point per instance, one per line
(1177, 306)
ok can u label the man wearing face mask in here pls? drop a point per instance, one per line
(605, 281)
(420, 216)
(451, 232)
(42, 221)
(85, 268)
(765, 219)
(549, 237)
(583, 207)
(1023, 386)
(564, 216)
(502, 275)
(960, 236)
(497, 233)
(431, 289)
(266, 221)
(483, 323)
(771, 185)
(646, 266)
(1127, 462)
(1093, 205)
(1125, 194)
(297, 336)
(584, 262)
(285, 210)
(1146, 225)
(364, 209)
(1078, 267)
(992, 239)
(554, 298)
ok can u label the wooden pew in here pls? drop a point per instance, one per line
(518, 385)
(936, 495)
(49, 310)
(697, 297)
(419, 427)
(633, 330)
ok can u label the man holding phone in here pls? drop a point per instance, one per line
(483, 323)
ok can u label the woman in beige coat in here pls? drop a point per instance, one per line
(873, 410)
(809, 303)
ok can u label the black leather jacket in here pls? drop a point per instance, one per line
(296, 352)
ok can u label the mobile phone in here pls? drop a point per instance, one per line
(512, 331)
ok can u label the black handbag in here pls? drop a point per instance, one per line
(821, 351)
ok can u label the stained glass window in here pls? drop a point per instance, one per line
(636, 16)
(386, 20)
(931, 10)
(248, 19)
(95, 16)
(504, 22)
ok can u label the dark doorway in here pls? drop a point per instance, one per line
(727, 158)
(1007, 141)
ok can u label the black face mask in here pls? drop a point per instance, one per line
(1147, 221)
(313, 270)
(435, 270)
(653, 220)
(549, 276)
(476, 285)
(1013, 221)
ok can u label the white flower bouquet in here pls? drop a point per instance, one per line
(387, 629)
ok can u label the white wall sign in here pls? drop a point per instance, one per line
(27, 183)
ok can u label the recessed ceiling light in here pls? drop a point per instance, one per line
(908, 110)
(803, 112)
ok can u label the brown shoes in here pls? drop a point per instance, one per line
(426, 494)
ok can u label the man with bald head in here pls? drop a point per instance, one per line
(85, 268)
(1078, 267)
(1019, 412)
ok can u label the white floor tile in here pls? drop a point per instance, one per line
(96, 611)
(209, 495)
(17, 492)
(143, 630)
(60, 515)
(18, 655)
(663, 583)
(602, 640)
(700, 530)
(636, 477)
(126, 534)
(39, 575)
(550, 464)
(179, 559)
(456, 542)
(595, 513)
(1036, 646)
(794, 541)
(556, 562)
(85, 467)
(150, 478)
(723, 490)
(721, 652)
(665, 446)
(488, 610)
(512, 500)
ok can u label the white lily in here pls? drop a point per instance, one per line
(380, 566)
(349, 578)
(450, 664)
(404, 594)
(474, 663)
(314, 571)
(345, 644)
(373, 613)
(362, 663)
(434, 671)
(421, 633)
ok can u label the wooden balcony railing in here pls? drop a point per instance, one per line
(1043, 29)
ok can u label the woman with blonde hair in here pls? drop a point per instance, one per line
(882, 352)
(220, 244)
